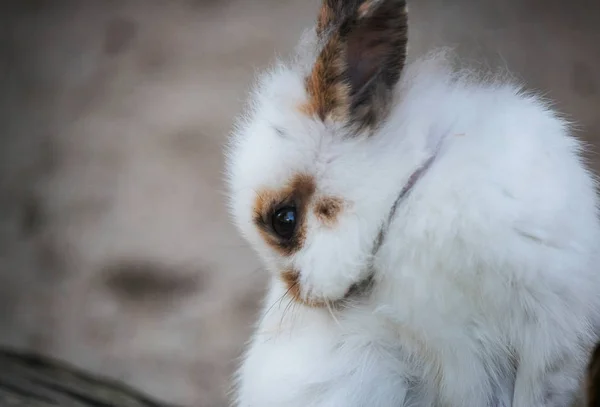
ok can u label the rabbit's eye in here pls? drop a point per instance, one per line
(284, 222)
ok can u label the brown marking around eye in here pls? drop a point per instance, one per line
(298, 193)
(327, 210)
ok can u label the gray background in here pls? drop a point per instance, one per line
(115, 249)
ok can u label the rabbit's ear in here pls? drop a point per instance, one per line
(333, 12)
(361, 60)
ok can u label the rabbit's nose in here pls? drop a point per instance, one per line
(291, 279)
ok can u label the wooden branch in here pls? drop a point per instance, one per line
(37, 381)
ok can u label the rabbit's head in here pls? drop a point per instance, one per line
(313, 168)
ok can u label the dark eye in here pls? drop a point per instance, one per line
(284, 222)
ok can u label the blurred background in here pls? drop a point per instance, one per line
(116, 253)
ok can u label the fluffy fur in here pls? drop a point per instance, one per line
(483, 277)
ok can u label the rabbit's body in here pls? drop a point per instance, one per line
(468, 209)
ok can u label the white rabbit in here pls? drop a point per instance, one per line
(433, 238)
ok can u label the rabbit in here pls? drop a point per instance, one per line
(431, 234)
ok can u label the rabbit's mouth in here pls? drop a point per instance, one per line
(358, 290)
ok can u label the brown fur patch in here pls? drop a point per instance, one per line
(325, 18)
(327, 92)
(366, 7)
(297, 193)
(291, 279)
(332, 12)
(592, 379)
(327, 209)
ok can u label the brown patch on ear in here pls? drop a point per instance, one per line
(592, 379)
(326, 88)
(332, 12)
(326, 16)
(364, 8)
(357, 69)
(327, 209)
(297, 193)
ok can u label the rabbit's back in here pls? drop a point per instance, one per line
(492, 258)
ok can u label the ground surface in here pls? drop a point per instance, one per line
(115, 250)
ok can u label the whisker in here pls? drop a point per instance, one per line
(286, 309)
(276, 302)
(330, 309)
(290, 288)
(347, 303)
(293, 316)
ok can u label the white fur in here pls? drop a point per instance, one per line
(489, 263)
